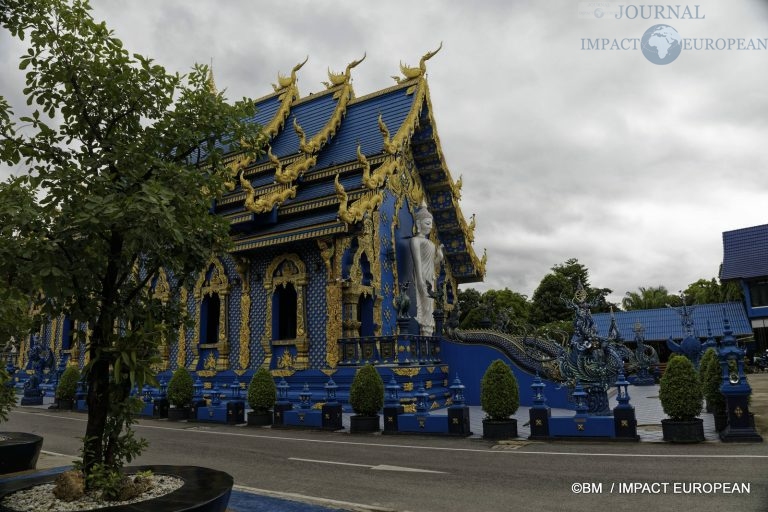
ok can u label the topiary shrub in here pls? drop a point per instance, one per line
(180, 388)
(67, 386)
(680, 390)
(499, 392)
(262, 391)
(366, 395)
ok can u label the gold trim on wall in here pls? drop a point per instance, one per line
(244, 356)
(181, 354)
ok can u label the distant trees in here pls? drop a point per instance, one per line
(506, 310)
(702, 291)
(651, 297)
(548, 310)
(712, 291)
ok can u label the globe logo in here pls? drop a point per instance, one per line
(661, 44)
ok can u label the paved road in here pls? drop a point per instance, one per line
(430, 474)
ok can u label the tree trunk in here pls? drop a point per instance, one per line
(98, 406)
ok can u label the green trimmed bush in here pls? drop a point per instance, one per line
(680, 390)
(711, 379)
(67, 387)
(366, 395)
(262, 391)
(499, 392)
(181, 388)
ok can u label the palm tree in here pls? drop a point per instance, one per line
(649, 298)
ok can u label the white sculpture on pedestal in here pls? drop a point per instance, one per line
(426, 260)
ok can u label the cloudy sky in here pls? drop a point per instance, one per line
(634, 168)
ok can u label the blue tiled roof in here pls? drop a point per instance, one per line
(662, 323)
(745, 253)
(361, 126)
(311, 115)
(266, 109)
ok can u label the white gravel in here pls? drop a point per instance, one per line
(41, 498)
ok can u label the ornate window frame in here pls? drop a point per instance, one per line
(218, 284)
(299, 280)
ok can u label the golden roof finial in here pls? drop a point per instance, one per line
(412, 73)
(211, 82)
(342, 78)
(286, 81)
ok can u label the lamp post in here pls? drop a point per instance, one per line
(331, 410)
(392, 407)
(736, 390)
(282, 404)
(540, 412)
(458, 412)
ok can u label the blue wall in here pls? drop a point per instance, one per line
(471, 361)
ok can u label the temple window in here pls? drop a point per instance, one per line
(211, 293)
(67, 332)
(284, 304)
(365, 315)
(286, 282)
(209, 318)
(758, 292)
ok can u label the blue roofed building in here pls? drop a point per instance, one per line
(320, 227)
(660, 324)
(745, 260)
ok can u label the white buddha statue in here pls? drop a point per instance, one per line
(426, 260)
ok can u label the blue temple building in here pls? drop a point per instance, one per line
(322, 227)
(745, 261)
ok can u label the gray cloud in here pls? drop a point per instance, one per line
(634, 169)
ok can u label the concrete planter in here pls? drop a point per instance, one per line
(499, 429)
(360, 424)
(178, 413)
(204, 490)
(683, 431)
(19, 452)
(259, 418)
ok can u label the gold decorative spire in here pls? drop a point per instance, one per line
(211, 82)
(412, 73)
(289, 92)
(336, 79)
(283, 82)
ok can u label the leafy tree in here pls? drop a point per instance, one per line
(469, 300)
(7, 395)
(649, 298)
(712, 291)
(547, 304)
(123, 162)
(502, 308)
(17, 218)
(548, 301)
